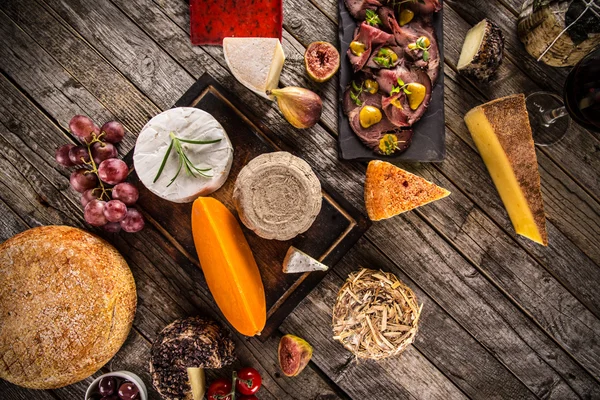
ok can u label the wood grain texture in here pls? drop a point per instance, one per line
(96, 74)
(498, 303)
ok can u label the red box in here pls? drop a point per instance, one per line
(213, 20)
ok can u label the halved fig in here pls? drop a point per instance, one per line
(321, 60)
(294, 354)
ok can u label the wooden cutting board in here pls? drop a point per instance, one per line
(338, 226)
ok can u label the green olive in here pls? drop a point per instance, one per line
(371, 86)
(405, 17)
(357, 48)
(369, 116)
(417, 94)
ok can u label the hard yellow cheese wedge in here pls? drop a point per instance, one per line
(501, 132)
(255, 62)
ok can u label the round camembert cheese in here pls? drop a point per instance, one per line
(190, 124)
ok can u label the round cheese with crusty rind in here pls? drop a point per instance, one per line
(190, 124)
(277, 195)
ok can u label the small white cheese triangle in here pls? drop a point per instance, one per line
(186, 123)
(297, 261)
(255, 62)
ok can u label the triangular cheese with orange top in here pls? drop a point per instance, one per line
(390, 191)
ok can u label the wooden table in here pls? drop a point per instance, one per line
(502, 317)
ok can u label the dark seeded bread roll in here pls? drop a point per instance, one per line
(193, 342)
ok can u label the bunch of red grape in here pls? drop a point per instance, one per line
(104, 206)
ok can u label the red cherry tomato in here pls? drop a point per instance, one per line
(248, 381)
(251, 397)
(220, 387)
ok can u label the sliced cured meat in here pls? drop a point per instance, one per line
(369, 37)
(358, 8)
(366, 99)
(388, 19)
(424, 7)
(407, 35)
(387, 79)
(419, 28)
(395, 109)
(372, 136)
(381, 58)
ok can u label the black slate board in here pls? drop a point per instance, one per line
(428, 143)
(337, 227)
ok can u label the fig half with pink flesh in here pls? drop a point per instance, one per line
(294, 354)
(321, 61)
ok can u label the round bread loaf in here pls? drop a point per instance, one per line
(277, 195)
(67, 302)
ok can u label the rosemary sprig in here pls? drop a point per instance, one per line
(372, 18)
(184, 161)
(401, 86)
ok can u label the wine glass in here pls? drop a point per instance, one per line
(550, 115)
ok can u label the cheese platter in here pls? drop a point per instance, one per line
(336, 227)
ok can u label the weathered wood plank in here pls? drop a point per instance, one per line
(482, 309)
(574, 222)
(77, 391)
(329, 8)
(101, 79)
(10, 391)
(307, 23)
(45, 80)
(466, 362)
(127, 48)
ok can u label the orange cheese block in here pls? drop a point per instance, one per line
(229, 266)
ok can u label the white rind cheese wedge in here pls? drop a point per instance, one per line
(186, 123)
(255, 62)
(502, 134)
(297, 261)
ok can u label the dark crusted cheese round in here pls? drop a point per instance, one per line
(194, 342)
(277, 195)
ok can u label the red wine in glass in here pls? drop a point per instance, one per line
(549, 113)
(582, 92)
